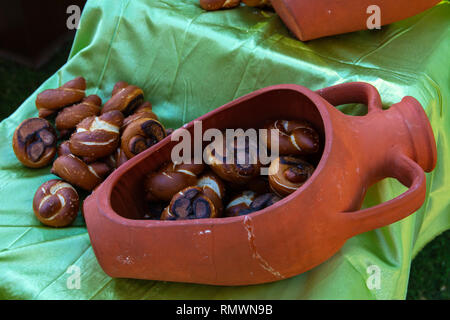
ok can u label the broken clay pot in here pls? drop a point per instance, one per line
(295, 234)
(312, 19)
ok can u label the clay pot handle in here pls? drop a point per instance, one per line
(353, 92)
(410, 174)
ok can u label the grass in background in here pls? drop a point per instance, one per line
(430, 270)
(19, 82)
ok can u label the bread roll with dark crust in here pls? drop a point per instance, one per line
(56, 203)
(34, 142)
(52, 100)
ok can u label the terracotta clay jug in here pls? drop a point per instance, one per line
(297, 233)
(311, 19)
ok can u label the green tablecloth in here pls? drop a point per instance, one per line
(188, 62)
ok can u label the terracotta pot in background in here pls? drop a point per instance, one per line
(297, 233)
(311, 19)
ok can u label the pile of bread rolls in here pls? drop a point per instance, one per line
(224, 188)
(90, 141)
